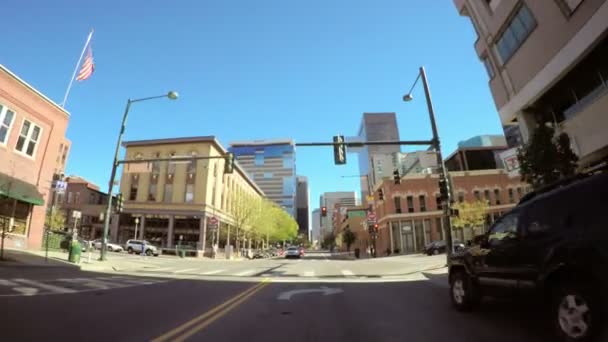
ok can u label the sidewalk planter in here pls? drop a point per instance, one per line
(75, 251)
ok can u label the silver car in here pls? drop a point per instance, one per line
(135, 246)
(292, 252)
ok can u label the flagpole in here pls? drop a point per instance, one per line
(67, 92)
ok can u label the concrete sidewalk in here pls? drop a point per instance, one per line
(24, 258)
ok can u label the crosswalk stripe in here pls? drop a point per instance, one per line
(243, 273)
(185, 270)
(309, 273)
(212, 272)
(347, 273)
(4, 282)
(57, 289)
(91, 282)
(130, 280)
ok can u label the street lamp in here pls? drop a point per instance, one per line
(172, 95)
(444, 188)
(136, 223)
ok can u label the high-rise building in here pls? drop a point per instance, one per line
(375, 127)
(315, 231)
(546, 61)
(272, 165)
(302, 210)
(329, 201)
(405, 162)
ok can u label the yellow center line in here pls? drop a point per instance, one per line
(212, 319)
(172, 333)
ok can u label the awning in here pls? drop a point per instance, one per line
(22, 191)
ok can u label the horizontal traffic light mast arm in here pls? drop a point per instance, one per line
(134, 161)
(370, 143)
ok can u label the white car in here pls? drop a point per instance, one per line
(112, 247)
(135, 246)
(293, 252)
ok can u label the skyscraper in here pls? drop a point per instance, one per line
(272, 165)
(302, 209)
(375, 127)
(329, 200)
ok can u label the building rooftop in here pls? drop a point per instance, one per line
(262, 142)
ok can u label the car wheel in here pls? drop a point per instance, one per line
(148, 252)
(435, 252)
(575, 313)
(464, 294)
(110, 248)
(130, 250)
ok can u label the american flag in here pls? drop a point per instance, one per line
(87, 67)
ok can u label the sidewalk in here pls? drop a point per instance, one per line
(23, 258)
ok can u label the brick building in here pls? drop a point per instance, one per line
(410, 215)
(33, 147)
(354, 219)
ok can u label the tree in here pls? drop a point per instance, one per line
(471, 215)
(348, 237)
(329, 241)
(546, 158)
(55, 220)
(244, 211)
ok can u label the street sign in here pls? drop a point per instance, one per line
(60, 186)
(371, 217)
(213, 223)
(76, 214)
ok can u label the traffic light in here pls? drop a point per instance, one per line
(119, 203)
(229, 163)
(444, 189)
(380, 195)
(373, 228)
(324, 211)
(397, 176)
(339, 150)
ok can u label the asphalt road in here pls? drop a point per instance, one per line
(102, 307)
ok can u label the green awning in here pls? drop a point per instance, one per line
(22, 191)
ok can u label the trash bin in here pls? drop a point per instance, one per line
(182, 253)
(75, 250)
(357, 251)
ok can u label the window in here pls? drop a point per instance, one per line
(397, 204)
(497, 196)
(70, 197)
(28, 138)
(488, 65)
(288, 161)
(6, 120)
(152, 188)
(168, 195)
(213, 196)
(259, 159)
(191, 166)
(422, 200)
(518, 29)
(504, 229)
(410, 204)
(439, 202)
(189, 197)
(267, 175)
(460, 196)
(134, 186)
(519, 193)
(511, 197)
(477, 195)
(156, 164)
(439, 227)
(77, 198)
(170, 166)
(486, 194)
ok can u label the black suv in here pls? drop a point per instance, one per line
(553, 243)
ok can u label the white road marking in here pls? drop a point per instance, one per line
(162, 269)
(93, 283)
(212, 272)
(185, 270)
(4, 282)
(244, 273)
(347, 273)
(131, 280)
(309, 273)
(52, 288)
(326, 291)
(26, 291)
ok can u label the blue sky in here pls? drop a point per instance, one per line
(305, 70)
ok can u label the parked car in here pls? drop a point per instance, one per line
(135, 246)
(112, 247)
(292, 252)
(552, 244)
(438, 247)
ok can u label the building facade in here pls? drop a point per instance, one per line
(375, 127)
(33, 147)
(329, 200)
(315, 231)
(546, 61)
(302, 209)
(410, 215)
(355, 220)
(85, 197)
(174, 201)
(272, 165)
